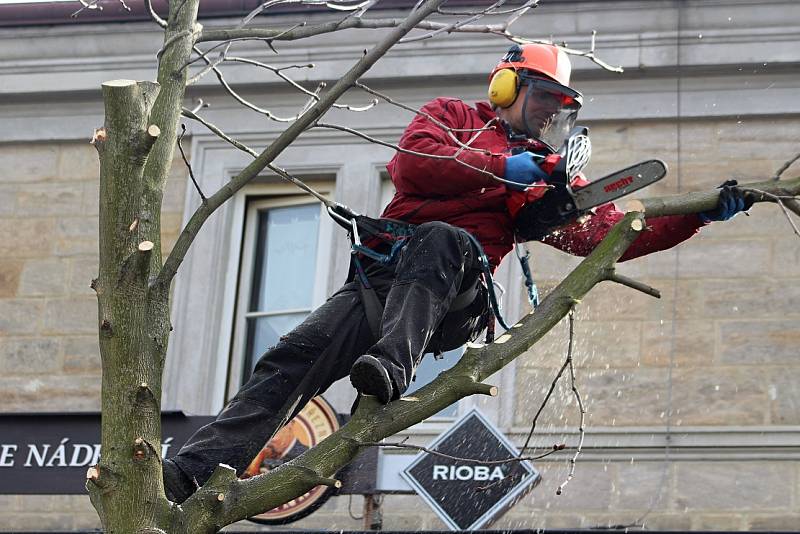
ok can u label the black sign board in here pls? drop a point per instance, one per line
(49, 453)
(469, 495)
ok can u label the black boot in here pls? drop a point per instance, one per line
(370, 377)
(177, 485)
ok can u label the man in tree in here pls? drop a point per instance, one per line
(421, 289)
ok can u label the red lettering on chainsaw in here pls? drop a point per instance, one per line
(619, 184)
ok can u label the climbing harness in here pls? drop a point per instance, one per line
(394, 235)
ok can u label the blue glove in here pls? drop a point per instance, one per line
(731, 201)
(521, 169)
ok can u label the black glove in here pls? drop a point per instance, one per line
(731, 201)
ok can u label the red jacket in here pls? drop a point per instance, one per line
(445, 190)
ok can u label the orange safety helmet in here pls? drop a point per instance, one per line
(535, 58)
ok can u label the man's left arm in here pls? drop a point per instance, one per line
(662, 233)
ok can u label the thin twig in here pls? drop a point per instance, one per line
(249, 104)
(218, 132)
(454, 26)
(582, 427)
(514, 459)
(188, 166)
(398, 148)
(785, 166)
(779, 200)
(153, 15)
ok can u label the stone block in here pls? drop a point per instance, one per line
(761, 297)
(45, 277)
(724, 258)
(20, 317)
(766, 221)
(8, 200)
(774, 523)
(733, 486)
(77, 315)
(42, 200)
(50, 393)
(30, 355)
(718, 522)
(531, 389)
(706, 175)
(610, 301)
(689, 343)
(725, 396)
(786, 257)
(759, 342)
(77, 236)
(610, 343)
(624, 397)
(26, 238)
(10, 272)
(682, 299)
(784, 395)
(8, 503)
(175, 193)
(81, 355)
(78, 161)
(91, 197)
(82, 227)
(643, 486)
(519, 520)
(591, 489)
(82, 271)
(28, 162)
(676, 522)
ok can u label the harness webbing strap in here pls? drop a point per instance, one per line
(373, 308)
(487, 273)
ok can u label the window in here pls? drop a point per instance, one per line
(281, 276)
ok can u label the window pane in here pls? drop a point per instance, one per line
(430, 369)
(286, 258)
(264, 332)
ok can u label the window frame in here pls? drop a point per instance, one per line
(254, 203)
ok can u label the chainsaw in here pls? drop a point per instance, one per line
(538, 211)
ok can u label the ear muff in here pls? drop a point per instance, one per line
(503, 88)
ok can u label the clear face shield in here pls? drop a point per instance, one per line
(549, 111)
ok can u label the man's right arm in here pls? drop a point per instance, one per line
(436, 176)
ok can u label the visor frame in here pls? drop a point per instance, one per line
(556, 129)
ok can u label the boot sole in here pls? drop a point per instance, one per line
(369, 377)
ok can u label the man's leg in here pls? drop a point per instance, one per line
(429, 275)
(303, 363)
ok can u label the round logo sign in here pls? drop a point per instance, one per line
(314, 423)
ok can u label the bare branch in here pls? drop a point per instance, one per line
(785, 166)
(188, 166)
(372, 422)
(266, 157)
(158, 20)
(267, 113)
(780, 200)
(582, 426)
(613, 276)
(218, 132)
(456, 25)
(454, 157)
(515, 459)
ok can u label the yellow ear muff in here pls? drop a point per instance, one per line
(503, 88)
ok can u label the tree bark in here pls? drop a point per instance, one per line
(126, 486)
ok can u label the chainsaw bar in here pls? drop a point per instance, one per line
(618, 184)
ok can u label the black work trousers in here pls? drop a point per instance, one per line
(438, 262)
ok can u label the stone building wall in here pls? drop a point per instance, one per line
(715, 359)
(49, 356)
